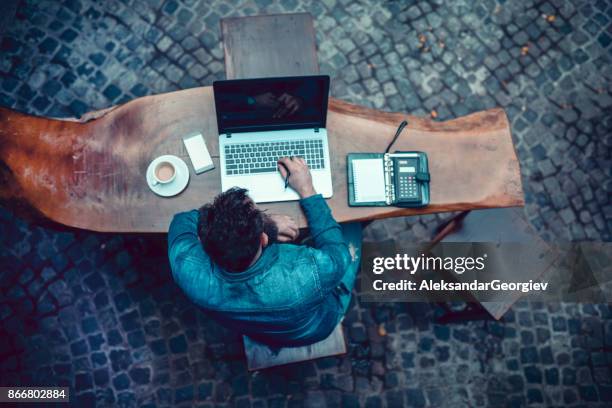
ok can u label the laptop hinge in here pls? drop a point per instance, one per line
(316, 130)
(228, 135)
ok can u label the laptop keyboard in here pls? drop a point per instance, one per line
(249, 158)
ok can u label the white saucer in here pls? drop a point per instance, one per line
(177, 185)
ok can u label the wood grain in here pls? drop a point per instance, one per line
(260, 356)
(90, 174)
(269, 45)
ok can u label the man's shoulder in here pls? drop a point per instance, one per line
(184, 217)
(186, 254)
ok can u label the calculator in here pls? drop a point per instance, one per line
(407, 188)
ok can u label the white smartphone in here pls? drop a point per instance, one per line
(198, 153)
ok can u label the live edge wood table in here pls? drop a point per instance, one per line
(89, 173)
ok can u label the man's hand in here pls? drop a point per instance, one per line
(287, 227)
(299, 175)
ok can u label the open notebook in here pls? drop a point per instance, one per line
(369, 180)
(400, 179)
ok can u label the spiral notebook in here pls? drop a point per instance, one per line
(368, 180)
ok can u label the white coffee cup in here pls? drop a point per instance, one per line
(164, 173)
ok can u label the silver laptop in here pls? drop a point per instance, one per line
(261, 120)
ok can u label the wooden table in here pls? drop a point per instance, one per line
(90, 173)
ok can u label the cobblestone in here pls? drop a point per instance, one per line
(78, 308)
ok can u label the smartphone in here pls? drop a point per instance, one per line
(198, 153)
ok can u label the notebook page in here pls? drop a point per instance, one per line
(369, 180)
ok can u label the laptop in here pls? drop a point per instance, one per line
(261, 120)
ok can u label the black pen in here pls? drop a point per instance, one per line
(288, 174)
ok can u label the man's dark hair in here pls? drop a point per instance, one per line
(230, 229)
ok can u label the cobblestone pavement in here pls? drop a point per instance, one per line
(100, 313)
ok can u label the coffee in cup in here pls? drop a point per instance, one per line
(164, 173)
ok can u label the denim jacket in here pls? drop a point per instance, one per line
(289, 296)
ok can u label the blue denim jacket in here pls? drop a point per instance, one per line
(290, 296)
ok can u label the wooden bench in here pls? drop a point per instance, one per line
(260, 356)
(499, 225)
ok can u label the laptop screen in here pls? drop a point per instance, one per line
(252, 105)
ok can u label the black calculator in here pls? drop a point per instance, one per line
(407, 189)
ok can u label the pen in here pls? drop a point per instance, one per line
(288, 174)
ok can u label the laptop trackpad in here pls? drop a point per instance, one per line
(264, 188)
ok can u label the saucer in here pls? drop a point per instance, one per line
(175, 186)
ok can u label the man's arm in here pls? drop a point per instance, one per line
(183, 234)
(191, 266)
(333, 256)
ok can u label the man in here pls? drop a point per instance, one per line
(227, 260)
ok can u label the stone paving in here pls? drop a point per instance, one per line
(99, 313)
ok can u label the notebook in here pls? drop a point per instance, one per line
(367, 174)
(399, 179)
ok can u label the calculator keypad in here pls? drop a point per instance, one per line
(408, 187)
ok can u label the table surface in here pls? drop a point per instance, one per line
(90, 173)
